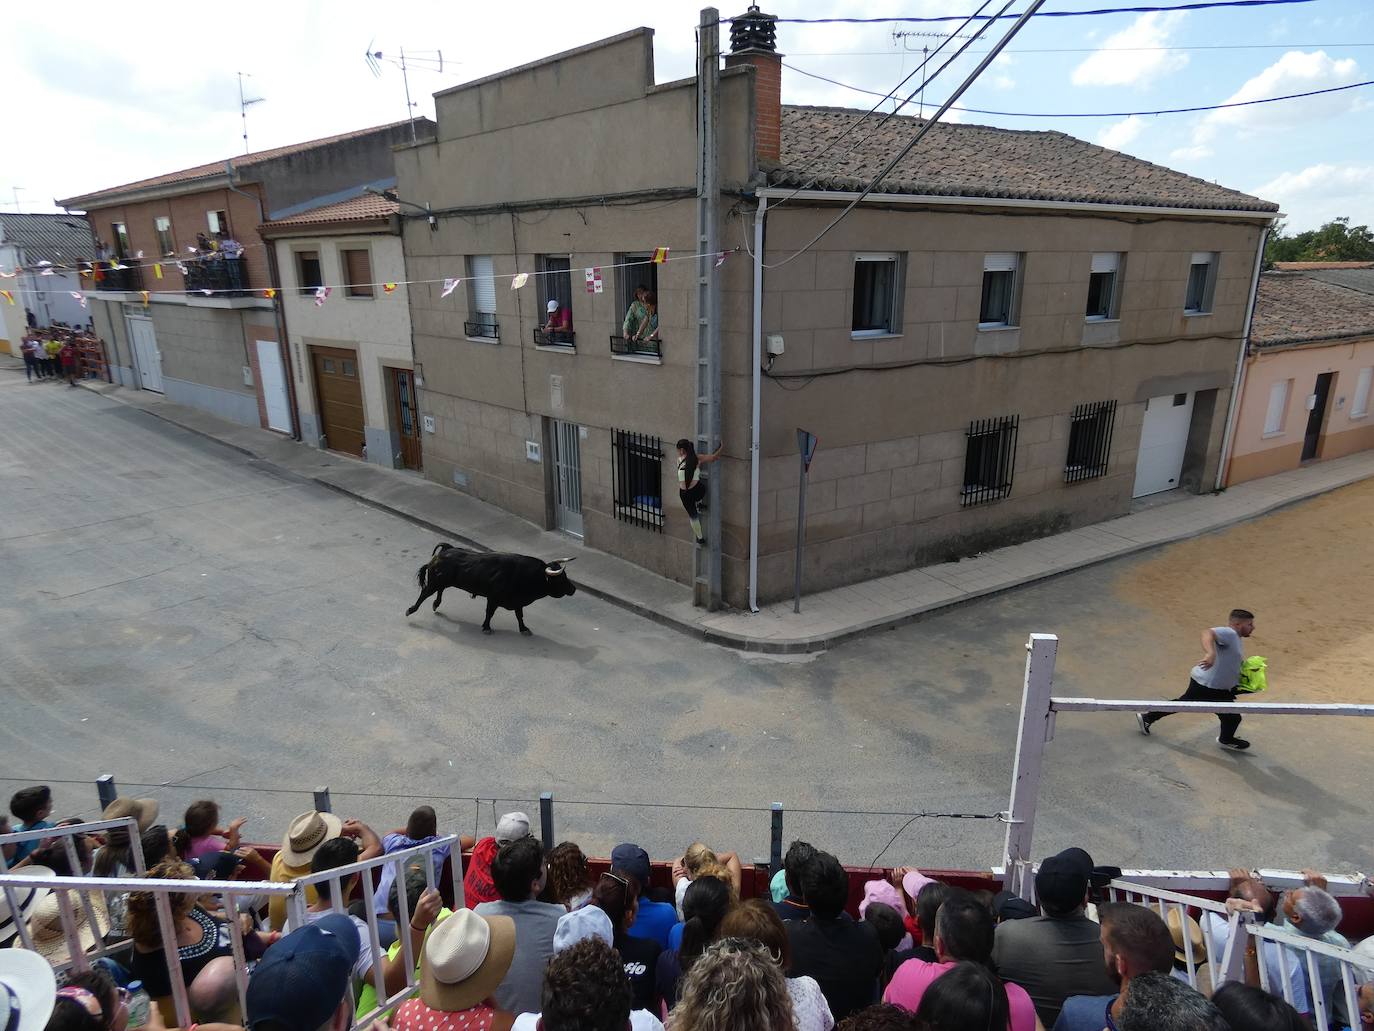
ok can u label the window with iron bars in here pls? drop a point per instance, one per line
(989, 460)
(637, 472)
(1090, 441)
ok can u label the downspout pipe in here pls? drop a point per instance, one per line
(755, 459)
(278, 312)
(1238, 380)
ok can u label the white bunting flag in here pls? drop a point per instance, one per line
(139, 256)
(48, 272)
(9, 275)
(321, 295)
(450, 285)
(520, 280)
(192, 250)
(116, 266)
(720, 258)
(181, 268)
(45, 261)
(208, 293)
(80, 297)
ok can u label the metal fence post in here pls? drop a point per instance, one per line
(546, 819)
(1037, 726)
(775, 840)
(322, 803)
(105, 788)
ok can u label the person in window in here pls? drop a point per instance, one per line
(233, 259)
(689, 488)
(648, 328)
(635, 314)
(559, 323)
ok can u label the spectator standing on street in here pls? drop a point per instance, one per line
(518, 872)
(843, 955)
(70, 362)
(1216, 676)
(1135, 941)
(29, 349)
(478, 886)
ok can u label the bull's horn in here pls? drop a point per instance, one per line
(564, 561)
(553, 570)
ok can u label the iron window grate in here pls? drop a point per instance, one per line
(484, 326)
(990, 460)
(1090, 441)
(648, 348)
(637, 472)
(564, 338)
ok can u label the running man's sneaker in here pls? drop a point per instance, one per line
(1238, 744)
(1143, 723)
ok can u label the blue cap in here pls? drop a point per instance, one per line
(300, 981)
(632, 859)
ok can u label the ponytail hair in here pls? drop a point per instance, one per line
(707, 901)
(181, 841)
(114, 854)
(690, 458)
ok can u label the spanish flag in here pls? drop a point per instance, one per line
(388, 287)
(269, 293)
(660, 255)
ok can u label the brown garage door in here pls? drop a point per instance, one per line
(340, 396)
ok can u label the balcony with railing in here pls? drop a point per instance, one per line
(561, 338)
(630, 347)
(221, 276)
(484, 327)
(125, 278)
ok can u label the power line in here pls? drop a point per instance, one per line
(1100, 114)
(1087, 50)
(1039, 14)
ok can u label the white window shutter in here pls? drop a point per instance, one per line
(999, 262)
(483, 284)
(1361, 405)
(1278, 401)
(1105, 262)
(1201, 258)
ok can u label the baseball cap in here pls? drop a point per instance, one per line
(632, 859)
(587, 922)
(777, 887)
(1010, 906)
(300, 981)
(512, 827)
(1061, 883)
(552, 305)
(881, 891)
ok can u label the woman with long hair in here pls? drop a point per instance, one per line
(689, 488)
(734, 986)
(968, 998)
(617, 895)
(567, 880)
(707, 901)
(756, 920)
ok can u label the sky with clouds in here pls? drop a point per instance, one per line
(132, 90)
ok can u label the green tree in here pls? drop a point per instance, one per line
(1337, 240)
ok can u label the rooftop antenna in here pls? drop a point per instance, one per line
(245, 103)
(432, 60)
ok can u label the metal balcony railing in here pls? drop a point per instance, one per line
(127, 278)
(555, 338)
(484, 327)
(644, 348)
(223, 277)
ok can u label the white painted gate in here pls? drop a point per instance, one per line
(1163, 439)
(147, 358)
(273, 384)
(567, 477)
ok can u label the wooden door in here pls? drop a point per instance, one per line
(405, 417)
(339, 395)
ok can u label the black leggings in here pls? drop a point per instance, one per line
(1197, 693)
(692, 497)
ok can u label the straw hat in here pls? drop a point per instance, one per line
(45, 925)
(1194, 932)
(306, 834)
(465, 957)
(29, 985)
(26, 898)
(144, 810)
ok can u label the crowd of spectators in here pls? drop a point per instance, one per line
(544, 944)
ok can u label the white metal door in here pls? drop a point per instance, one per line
(567, 477)
(1163, 439)
(147, 358)
(273, 384)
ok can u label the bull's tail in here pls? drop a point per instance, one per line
(422, 576)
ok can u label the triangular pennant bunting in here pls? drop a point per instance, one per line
(322, 294)
(450, 285)
(520, 280)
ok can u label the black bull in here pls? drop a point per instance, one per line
(506, 581)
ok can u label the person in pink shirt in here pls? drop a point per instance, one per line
(202, 836)
(963, 931)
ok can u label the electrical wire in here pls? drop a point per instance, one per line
(1102, 114)
(1087, 50)
(1040, 14)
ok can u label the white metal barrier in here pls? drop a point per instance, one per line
(1310, 954)
(1226, 961)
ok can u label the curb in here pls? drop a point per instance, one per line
(723, 638)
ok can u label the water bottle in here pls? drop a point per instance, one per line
(139, 1005)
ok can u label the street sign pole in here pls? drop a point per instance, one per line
(806, 446)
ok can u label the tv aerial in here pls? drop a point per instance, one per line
(427, 60)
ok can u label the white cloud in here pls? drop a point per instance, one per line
(1121, 134)
(1123, 61)
(1319, 193)
(1294, 72)
(1196, 153)
(997, 76)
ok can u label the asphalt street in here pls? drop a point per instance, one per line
(180, 615)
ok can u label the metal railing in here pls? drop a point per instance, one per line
(642, 348)
(1226, 961)
(637, 478)
(127, 278)
(221, 276)
(564, 338)
(1090, 441)
(484, 327)
(1307, 953)
(989, 460)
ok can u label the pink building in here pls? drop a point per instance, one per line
(1307, 379)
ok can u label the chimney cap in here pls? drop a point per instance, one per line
(753, 32)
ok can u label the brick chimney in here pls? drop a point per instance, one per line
(753, 41)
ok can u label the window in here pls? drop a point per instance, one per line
(1102, 286)
(308, 271)
(989, 460)
(555, 284)
(1202, 277)
(218, 221)
(1278, 407)
(165, 244)
(636, 270)
(119, 239)
(1359, 408)
(357, 265)
(637, 468)
(1090, 441)
(999, 290)
(876, 286)
(481, 298)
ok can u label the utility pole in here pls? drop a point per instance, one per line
(706, 562)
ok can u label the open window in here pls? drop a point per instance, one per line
(1103, 285)
(555, 327)
(1202, 282)
(638, 333)
(481, 298)
(877, 288)
(1001, 274)
(308, 271)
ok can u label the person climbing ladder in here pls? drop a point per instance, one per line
(689, 487)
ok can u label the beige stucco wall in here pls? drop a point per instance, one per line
(1255, 454)
(377, 327)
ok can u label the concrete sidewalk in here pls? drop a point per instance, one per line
(827, 618)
